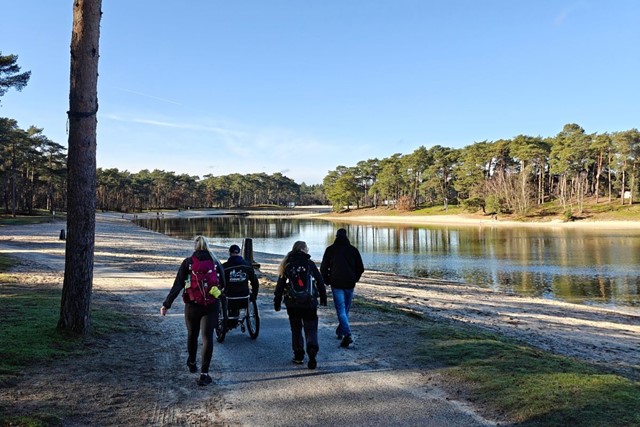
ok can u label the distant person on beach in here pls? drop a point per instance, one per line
(300, 284)
(200, 278)
(341, 268)
(239, 274)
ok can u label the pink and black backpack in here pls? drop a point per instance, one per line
(202, 278)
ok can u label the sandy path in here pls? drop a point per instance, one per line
(141, 379)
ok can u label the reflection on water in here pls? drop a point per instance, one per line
(582, 266)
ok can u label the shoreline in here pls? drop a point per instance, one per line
(323, 213)
(270, 261)
(477, 221)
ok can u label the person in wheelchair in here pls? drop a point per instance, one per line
(239, 274)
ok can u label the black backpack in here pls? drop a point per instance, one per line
(300, 289)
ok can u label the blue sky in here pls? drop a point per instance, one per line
(300, 87)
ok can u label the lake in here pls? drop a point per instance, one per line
(585, 266)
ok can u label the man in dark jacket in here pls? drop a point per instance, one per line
(341, 268)
(239, 274)
(243, 266)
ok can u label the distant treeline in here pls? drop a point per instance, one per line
(130, 192)
(498, 176)
(33, 172)
(504, 176)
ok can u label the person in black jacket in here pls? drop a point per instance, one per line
(341, 268)
(302, 312)
(236, 260)
(202, 316)
(239, 274)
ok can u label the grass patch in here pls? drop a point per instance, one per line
(29, 333)
(5, 263)
(36, 218)
(29, 336)
(439, 210)
(603, 211)
(43, 420)
(383, 307)
(30, 316)
(532, 387)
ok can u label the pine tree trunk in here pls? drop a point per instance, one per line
(622, 187)
(609, 172)
(75, 308)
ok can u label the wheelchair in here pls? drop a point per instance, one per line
(237, 308)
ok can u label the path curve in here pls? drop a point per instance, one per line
(143, 379)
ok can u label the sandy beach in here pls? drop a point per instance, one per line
(385, 217)
(480, 221)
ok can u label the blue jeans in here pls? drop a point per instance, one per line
(342, 301)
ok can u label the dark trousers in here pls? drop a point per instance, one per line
(307, 319)
(201, 320)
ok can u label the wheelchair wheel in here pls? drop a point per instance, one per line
(253, 320)
(221, 328)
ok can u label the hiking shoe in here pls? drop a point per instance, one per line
(346, 341)
(297, 361)
(312, 364)
(193, 368)
(204, 379)
(338, 333)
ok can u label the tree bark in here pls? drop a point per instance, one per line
(75, 307)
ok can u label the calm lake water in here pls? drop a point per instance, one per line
(597, 267)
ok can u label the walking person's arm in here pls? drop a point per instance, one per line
(359, 264)
(255, 284)
(178, 285)
(277, 294)
(325, 269)
(322, 289)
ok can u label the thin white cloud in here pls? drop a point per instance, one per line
(176, 125)
(157, 98)
(237, 149)
(569, 10)
(275, 141)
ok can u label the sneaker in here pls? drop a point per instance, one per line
(338, 333)
(312, 364)
(193, 368)
(346, 341)
(204, 379)
(297, 361)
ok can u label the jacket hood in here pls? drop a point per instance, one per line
(342, 240)
(299, 254)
